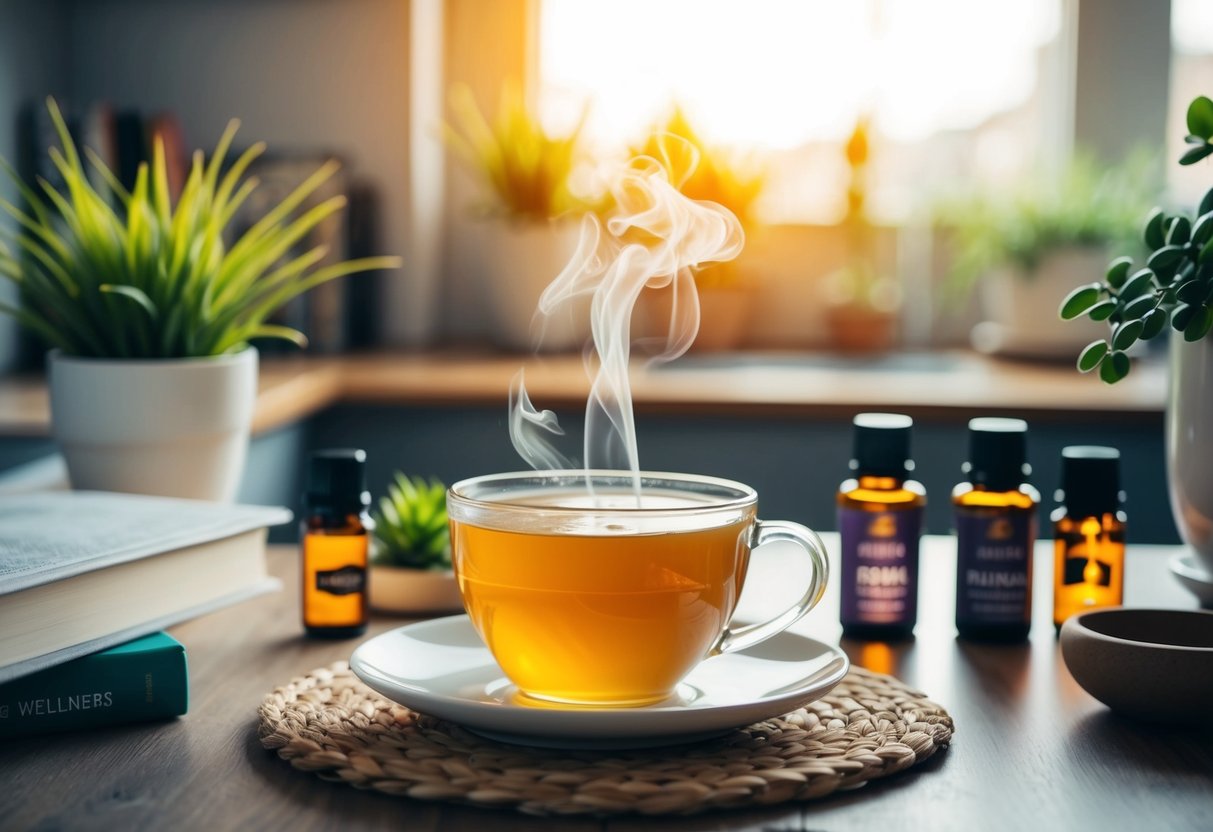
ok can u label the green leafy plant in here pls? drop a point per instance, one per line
(411, 525)
(526, 169)
(1088, 205)
(1175, 284)
(113, 273)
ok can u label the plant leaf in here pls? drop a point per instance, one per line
(1153, 323)
(133, 293)
(1118, 271)
(1200, 117)
(1102, 310)
(1200, 323)
(1195, 154)
(1114, 367)
(1092, 355)
(1153, 232)
(1126, 335)
(1080, 300)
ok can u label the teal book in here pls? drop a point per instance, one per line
(139, 681)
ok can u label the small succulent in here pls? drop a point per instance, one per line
(1175, 285)
(411, 525)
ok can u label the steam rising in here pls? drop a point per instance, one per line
(652, 237)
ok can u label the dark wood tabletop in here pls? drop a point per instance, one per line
(1031, 749)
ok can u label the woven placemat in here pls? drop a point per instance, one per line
(869, 726)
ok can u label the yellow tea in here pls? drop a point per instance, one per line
(594, 610)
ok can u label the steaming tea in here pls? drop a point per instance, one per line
(595, 612)
(608, 595)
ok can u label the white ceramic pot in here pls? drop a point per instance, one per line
(414, 591)
(517, 261)
(1190, 444)
(1021, 308)
(170, 427)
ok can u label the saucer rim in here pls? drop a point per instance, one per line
(668, 724)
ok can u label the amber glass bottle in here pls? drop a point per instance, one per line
(880, 521)
(1088, 533)
(336, 544)
(995, 515)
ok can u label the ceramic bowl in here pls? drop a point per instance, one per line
(1154, 665)
(1191, 573)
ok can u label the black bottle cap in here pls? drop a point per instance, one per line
(998, 450)
(882, 444)
(336, 478)
(1090, 480)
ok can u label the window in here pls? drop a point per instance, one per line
(952, 86)
(1191, 75)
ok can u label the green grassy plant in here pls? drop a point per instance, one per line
(113, 273)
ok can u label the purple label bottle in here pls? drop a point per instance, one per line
(880, 522)
(995, 514)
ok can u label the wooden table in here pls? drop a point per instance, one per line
(1031, 750)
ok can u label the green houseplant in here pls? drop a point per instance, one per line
(862, 302)
(1172, 291)
(411, 563)
(524, 232)
(1021, 249)
(730, 179)
(149, 310)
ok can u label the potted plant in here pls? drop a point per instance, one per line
(862, 302)
(149, 312)
(1023, 250)
(411, 559)
(525, 235)
(725, 289)
(1173, 290)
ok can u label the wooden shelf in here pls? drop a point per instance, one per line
(941, 386)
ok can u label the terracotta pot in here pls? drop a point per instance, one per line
(169, 427)
(1190, 444)
(856, 328)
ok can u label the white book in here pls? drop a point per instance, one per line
(82, 571)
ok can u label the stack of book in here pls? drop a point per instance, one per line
(87, 581)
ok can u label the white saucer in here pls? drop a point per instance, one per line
(441, 668)
(1191, 573)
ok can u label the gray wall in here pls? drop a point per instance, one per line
(33, 63)
(301, 75)
(796, 466)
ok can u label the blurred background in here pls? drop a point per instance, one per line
(957, 100)
(899, 166)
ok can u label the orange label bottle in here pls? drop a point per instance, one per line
(336, 545)
(1088, 533)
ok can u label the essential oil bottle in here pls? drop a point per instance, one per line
(336, 544)
(1088, 532)
(880, 520)
(995, 515)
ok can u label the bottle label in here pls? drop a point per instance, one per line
(879, 566)
(344, 581)
(994, 567)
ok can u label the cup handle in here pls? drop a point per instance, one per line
(769, 531)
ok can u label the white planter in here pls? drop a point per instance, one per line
(414, 591)
(170, 427)
(1190, 444)
(517, 261)
(1021, 309)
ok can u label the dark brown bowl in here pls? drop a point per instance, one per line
(1154, 665)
